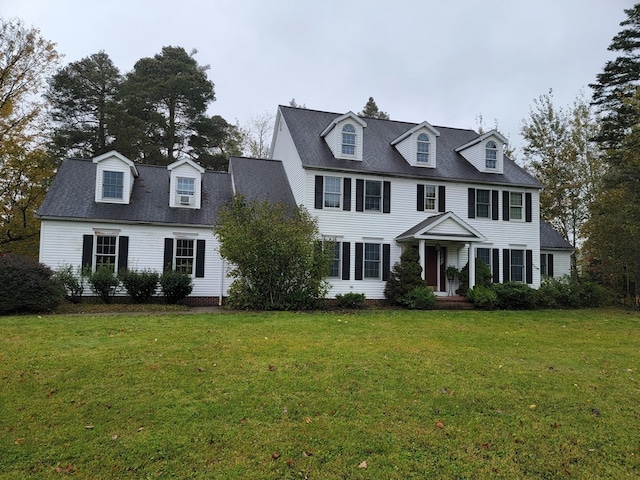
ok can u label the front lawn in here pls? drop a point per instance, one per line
(373, 394)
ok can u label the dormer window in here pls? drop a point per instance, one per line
(423, 148)
(348, 140)
(112, 184)
(491, 154)
(185, 184)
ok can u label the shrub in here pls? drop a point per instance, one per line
(351, 300)
(176, 286)
(274, 256)
(591, 294)
(484, 298)
(27, 286)
(571, 294)
(72, 280)
(104, 284)
(483, 276)
(404, 276)
(515, 296)
(420, 298)
(140, 285)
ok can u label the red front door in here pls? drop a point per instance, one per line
(431, 274)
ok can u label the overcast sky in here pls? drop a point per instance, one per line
(445, 62)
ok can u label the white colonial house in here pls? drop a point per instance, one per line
(376, 187)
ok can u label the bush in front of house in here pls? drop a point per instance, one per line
(72, 280)
(351, 300)
(404, 277)
(420, 298)
(571, 294)
(176, 286)
(104, 283)
(140, 285)
(484, 298)
(483, 276)
(27, 285)
(515, 296)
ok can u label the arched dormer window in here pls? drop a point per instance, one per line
(423, 148)
(491, 157)
(348, 139)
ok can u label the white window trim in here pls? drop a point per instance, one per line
(355, 141)
(435, 204)
(364, 259)
(324, 193)
(488, 217)
(364, 199)
(521, 206)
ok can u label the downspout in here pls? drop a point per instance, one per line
(221, 282)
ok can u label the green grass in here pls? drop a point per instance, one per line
(549, 394)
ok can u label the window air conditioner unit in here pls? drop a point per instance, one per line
(185, 199)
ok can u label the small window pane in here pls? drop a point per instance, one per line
(348, 140)
(491, 155)
(517, 265)
(543, 264)
(484, 254)
(184, 255)
(186, 186)
(112, 184)
(106, 253)
(372, 195)
(430, 197)
(334, 271)
(423, 148)
(515, 208)
(332, 190)
(483, 204)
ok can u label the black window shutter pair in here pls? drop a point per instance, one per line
(168, 256)
(319, 193)
(471, 203)
(386, 196)
(386, 254)
(123, 252)
(506, 261)
(441, 199)
(506, 204)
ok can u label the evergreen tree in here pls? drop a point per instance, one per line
(404, 276)
(371, 110)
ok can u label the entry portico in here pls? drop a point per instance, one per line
(438, 238)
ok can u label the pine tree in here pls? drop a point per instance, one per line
(404, 276)
(371, 110)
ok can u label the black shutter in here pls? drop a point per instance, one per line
(123, 253)
(200, 258)
(527, 207)
(359, 195)
(87, 251)
(346, 204)
(442, 206)
(494, 204)
(386, 197)
(506, 203)
(346, 260)
(319, 191)
(506, 265)
(529, 266)
(550, 265)
(472, 203)
(359, 260)
(495, 265)
(386, 259)
(168, 255)
(420, 198)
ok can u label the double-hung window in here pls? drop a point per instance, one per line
(184, 255)
(372, 195)
(332, 192)
(348, 140)
(106, 252)
(484, 254)
(335, 268)
(112, 184)
(517, 266)
(483, 203)
(186, 186)
(515, 206)
(372, 260)
(423, 148)
(430, 197)
(544, 271)
(491, 151)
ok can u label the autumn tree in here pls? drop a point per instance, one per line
(83, 96)
(559, 151)
(371, 110)
(164, 98)
(257, 135)
(26, 60)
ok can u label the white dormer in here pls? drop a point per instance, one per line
(344, 136)
(115, 174)
(185, 184)
(486, 152)
(418, 145)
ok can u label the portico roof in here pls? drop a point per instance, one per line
(444, 226)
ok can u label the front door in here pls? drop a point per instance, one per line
(431, 274)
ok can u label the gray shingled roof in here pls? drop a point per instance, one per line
(550, 239)
(72, 196)
(382, 158)
(260, 180)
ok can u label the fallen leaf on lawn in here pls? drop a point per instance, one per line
(19, 441)
(439, 424)
(140, 429)
(154, 367)
(363, 464)
(114, 438)
(307, 453)
(200, 369)
(307, 419)
(532, 406)
(290, 462)
(595, 411)
(275, 455)
(272, 368)
(89, 427)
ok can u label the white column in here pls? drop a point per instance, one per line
(439, 260)
(472, 265)
(423, 258)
